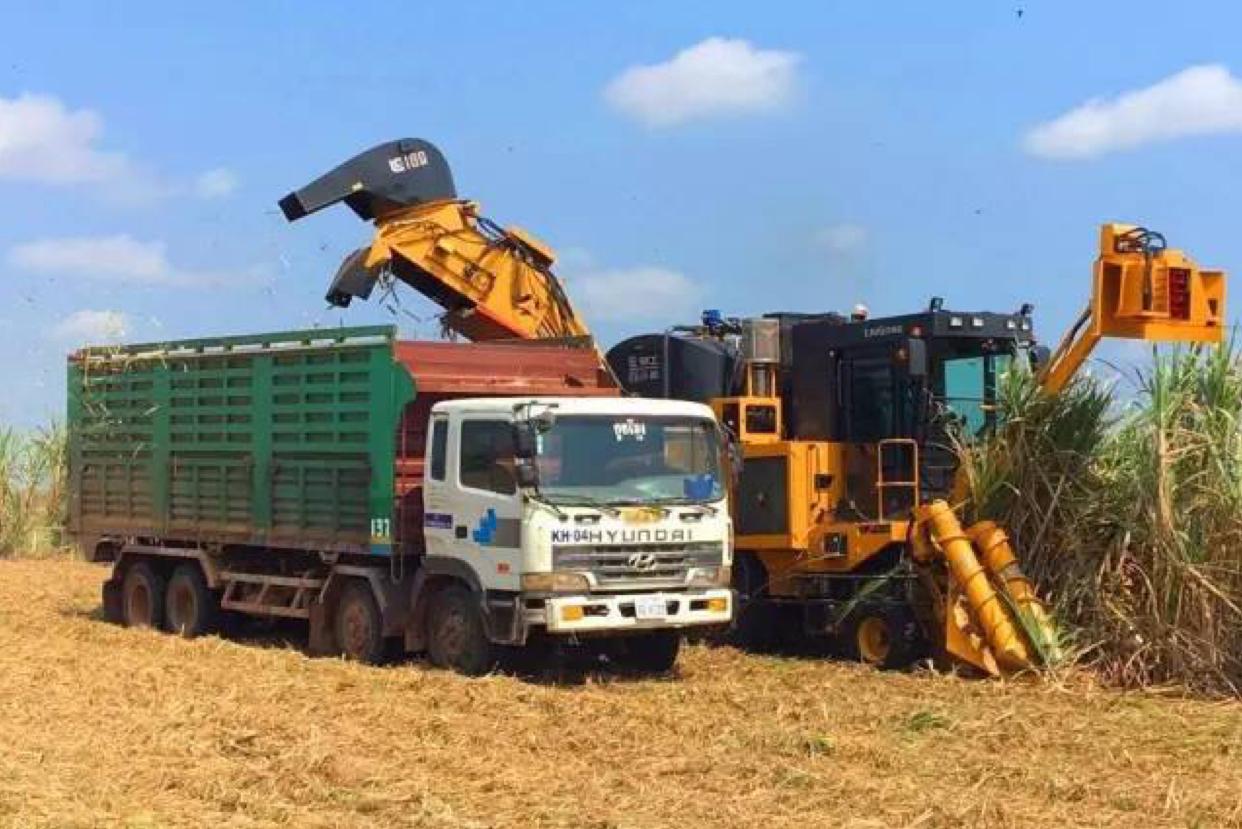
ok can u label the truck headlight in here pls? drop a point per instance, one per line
(711, 576)
(555, 582)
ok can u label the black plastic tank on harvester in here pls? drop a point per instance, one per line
(704, 361)
(676, 367)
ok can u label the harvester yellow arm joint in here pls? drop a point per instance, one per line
(1141, 290)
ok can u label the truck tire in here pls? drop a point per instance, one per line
(654, 652)
(456, 636)
(142, 597)
(190, 607)
(889, 638)
(359, 626)
(113, 604)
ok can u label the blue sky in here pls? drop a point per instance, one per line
(794, 156)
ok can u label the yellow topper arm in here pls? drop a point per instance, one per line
(494, 283)
(1141, 290)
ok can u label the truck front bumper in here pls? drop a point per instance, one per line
(587, 613)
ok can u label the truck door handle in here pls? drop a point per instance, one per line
(460, 531)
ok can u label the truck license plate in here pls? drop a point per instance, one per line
(650, 607)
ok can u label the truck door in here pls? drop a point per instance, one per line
(486, 508)
(438, 500)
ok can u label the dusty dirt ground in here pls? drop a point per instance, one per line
(102, 726)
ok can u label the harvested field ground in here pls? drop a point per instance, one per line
(105, 726)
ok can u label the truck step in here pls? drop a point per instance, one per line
(269, 595)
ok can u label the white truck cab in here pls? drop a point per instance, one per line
(583, 516)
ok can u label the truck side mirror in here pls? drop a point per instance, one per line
(525, 440)
(527, 474)
(916, 357)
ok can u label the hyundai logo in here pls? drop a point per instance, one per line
(642, 562)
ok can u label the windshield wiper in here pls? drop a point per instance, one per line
(539, 498)
(587, 501)
(685, 502)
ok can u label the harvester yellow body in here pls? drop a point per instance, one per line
(845, 504)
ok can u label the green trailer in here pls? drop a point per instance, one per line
(283, 440)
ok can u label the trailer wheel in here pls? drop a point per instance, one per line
(886, 637)
(456, 637)
(190, 608)
(358, 625)
(142, 597)
(654, 652)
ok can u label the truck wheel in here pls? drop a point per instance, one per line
(887, 638)
(358, 625)
(142, 597)
(190, 608)
(456, 637)
(653, 652)
(113, 602)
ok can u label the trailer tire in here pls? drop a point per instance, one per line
(654, 652)
(142, 597)
(889, 638)
(190, 607)
(456, 636)
(358, 625)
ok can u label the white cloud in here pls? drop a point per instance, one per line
(1200, 100)
(43, 140)
(716, 77)
(88, 326)
(117, 258)
(842, 238)
(640, 293)
(216, 184)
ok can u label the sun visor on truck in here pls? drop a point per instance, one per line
(385, 178)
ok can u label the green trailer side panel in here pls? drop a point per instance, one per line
(285, 439)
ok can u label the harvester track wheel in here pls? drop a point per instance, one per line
(654, 652)
(456, 636)
(190, 608)
(755, 619)
(888, 638)
(358, 625)
(142, 597)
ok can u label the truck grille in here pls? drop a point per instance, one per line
(639, 565)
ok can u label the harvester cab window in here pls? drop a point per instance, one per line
(487, 456)
(871, 404)
(970, 390)
(964, 392)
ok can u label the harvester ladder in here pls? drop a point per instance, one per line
(899, 450)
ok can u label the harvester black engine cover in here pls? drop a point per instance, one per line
(379, 181)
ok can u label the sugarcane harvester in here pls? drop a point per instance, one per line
(844, 500)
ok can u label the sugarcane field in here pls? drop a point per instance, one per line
(824, 415)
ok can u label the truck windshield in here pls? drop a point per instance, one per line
(614, 459)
